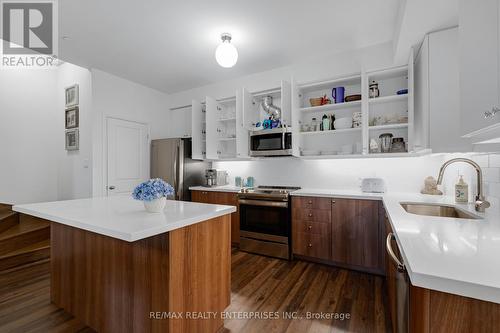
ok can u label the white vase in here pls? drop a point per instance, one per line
(156, 205)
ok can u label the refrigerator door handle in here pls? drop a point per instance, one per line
(180, 171)
(176, 166)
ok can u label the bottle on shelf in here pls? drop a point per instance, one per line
(314, 125)
(373, 89)
(325, 123)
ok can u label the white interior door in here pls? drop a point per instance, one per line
(127, 155)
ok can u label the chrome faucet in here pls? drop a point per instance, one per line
(481, 204)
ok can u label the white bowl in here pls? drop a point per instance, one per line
(343, 123)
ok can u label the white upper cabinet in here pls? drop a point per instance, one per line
(437, 99)
(212, 130)
(479, 65)
(198, 126)
(242, 136)
(180, 123)
(221, 129)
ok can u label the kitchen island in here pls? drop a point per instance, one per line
(118, 268)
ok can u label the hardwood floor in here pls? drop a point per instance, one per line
(260, 285)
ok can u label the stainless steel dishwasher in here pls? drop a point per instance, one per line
(402, 287)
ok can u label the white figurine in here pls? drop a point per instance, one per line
(430, 186)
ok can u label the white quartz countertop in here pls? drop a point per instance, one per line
(225, 188)
(458, 256)
(123, 217)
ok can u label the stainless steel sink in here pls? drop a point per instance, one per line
(438, 210)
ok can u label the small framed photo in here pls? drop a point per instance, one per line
(71, 94)
(72, 117)
(72, 139)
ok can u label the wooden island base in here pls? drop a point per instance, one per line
(117, 286)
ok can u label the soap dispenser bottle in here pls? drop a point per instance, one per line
(461, 191)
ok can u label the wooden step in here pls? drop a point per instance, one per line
(8, 219)
(5, 206)
(25, 255)
(28, 231)
(13, 277)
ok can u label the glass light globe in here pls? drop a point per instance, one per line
(226, 54)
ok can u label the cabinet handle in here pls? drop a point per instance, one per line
(400, 266)
(309, 227)
(309, 245)
(492, 113)
(310, 202)
(310, 214)
(333, 201)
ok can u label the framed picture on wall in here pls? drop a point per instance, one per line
(72, 117)
(71, 94)
(72, 139)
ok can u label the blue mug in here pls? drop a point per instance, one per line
(338, 94)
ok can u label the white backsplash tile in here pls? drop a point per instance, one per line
(400, 174)
(494, 161)
(481, 159)
(491, 175)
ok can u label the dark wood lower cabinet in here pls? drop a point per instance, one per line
(342, 232)
(355, 233)
(222, 198)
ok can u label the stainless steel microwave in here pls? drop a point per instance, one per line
(272, 142)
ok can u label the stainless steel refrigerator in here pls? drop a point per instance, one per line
(171, 161)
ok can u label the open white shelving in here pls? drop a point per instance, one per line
(388, 99)
(391, 112)
(334, 132)
(331, 107)
(222, 131)
(303, 114)
(388, 127)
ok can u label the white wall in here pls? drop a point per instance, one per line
(119, 98)
(75, 167)
(400, 174)
(29, 136)
(334, 65)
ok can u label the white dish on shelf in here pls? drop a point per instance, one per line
(343, 123)
(310, 152)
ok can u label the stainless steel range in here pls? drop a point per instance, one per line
(265, 220)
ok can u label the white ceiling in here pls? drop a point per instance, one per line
(415, 19)
(169, 45)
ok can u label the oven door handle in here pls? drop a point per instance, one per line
(277, 204)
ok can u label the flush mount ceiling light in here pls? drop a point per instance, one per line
(226, 54)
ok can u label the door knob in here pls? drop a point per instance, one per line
(111, 187)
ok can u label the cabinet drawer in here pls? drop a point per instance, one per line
(312, 202)
(310, 227)
(311, 245)
(315, 215)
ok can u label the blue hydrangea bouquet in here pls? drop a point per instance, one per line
(153, 194)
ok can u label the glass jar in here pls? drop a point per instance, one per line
(314, 125)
